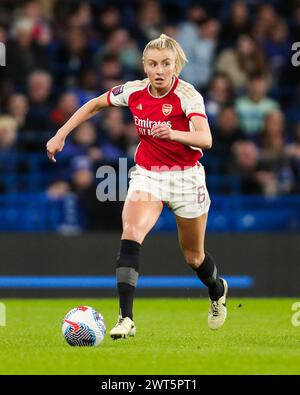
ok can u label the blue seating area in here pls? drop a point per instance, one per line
(37, 212)
(246, 214)
(25, 206)
(29, 172)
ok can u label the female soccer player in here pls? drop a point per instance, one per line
(170, 120)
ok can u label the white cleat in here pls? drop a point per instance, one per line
(218, 311)
(124, 327)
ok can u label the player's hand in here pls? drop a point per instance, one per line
(163, 131)
(54, 145)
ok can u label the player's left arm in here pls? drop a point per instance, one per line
(199, 137)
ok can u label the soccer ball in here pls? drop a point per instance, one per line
(83, 326)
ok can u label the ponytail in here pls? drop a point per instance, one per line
(166, 42)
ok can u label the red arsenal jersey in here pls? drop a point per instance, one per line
(175, 108)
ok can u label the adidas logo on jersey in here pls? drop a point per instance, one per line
(139, 107)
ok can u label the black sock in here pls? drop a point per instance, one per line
(207, 273)
(127, 271)
(126, 295)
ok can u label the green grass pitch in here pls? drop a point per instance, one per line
(172, 338)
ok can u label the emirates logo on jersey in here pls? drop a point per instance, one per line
(167, 109)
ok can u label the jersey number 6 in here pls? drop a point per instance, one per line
(201, 194)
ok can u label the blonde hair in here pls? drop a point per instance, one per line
(8, 130)
(8, 123)
(166, 42)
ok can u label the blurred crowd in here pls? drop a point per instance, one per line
(60, 54)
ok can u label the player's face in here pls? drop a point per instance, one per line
(160, 67)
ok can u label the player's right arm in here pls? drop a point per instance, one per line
(88, 110)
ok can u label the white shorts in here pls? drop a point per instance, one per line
(184, 191)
